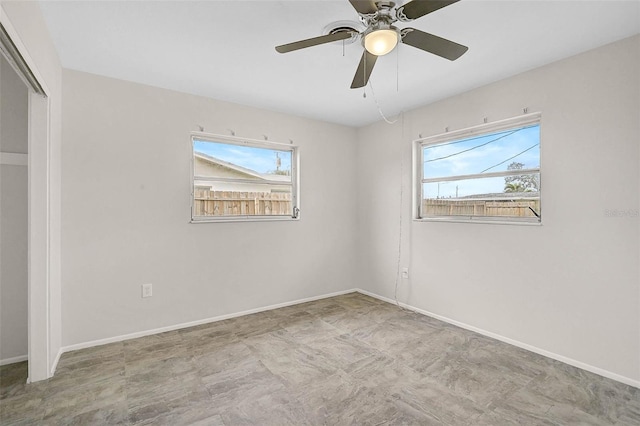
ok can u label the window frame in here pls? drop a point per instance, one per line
(483, 129)
(233, 140)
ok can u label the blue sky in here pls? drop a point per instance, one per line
(260, 160)
(484, 154)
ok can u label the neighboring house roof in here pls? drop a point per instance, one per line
(240, 169)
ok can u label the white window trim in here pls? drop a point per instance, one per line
(295, 178)
(418, 170)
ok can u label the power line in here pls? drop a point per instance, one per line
(453, 142)
(510, 158)
(475, 147)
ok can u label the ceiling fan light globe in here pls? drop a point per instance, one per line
(381, 42)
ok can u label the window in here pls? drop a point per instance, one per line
(238, 179)
(487, 173)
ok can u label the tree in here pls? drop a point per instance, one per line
(515, 187)
(526, 183)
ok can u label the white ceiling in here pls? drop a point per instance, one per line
(225, 49)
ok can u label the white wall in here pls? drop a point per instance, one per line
(13, 217)
(126, 211)
(26, 19)
(571, 286)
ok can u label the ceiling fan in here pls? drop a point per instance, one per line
(381, 37)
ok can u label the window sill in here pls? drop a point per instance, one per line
(485, 221)
(230, 219)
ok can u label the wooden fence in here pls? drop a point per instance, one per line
(511, 208)
(231, 203)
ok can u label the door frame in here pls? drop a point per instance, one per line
(40, 365)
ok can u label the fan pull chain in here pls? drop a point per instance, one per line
(364, 78)
(397, 70)
(364, 74)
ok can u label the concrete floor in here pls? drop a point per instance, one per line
(350, 359)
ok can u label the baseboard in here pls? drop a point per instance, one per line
(596, 370)
(138, 334)
(13, 360)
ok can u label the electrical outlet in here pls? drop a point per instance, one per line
(147, 290)
(405, 273)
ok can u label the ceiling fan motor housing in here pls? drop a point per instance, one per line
(385, 15)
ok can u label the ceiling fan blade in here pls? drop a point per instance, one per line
(433, 44)
(363, 72)
(342, 35)
(364, 7)
(417, 8)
